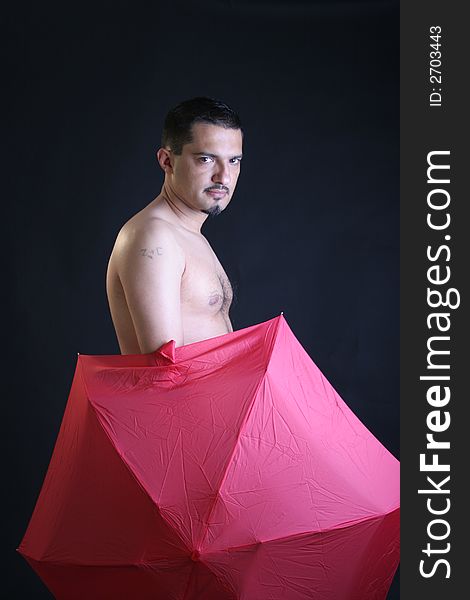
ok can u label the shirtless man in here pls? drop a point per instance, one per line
(164, 281)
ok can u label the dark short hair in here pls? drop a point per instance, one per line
(177, 128)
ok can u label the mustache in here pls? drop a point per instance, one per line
(217, 187)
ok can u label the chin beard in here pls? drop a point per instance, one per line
(213, 211)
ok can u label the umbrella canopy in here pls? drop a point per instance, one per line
(225, 469)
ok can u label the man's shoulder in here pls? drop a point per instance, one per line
(149, 237)
(139, 229)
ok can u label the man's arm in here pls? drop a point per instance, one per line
(151, 264)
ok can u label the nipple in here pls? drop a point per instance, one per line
(214, 299)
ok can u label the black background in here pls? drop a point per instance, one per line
(312, 230)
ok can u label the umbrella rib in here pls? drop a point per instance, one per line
(186, 495)
(130, 469)
(242, 426)
(344, 525)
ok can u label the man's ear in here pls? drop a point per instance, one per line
(164, 159)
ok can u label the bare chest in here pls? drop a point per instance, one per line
(205, 286)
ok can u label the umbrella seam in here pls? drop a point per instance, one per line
(242, 426)
(126, 464)
(344, 525)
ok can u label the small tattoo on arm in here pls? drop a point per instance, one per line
(150, 252)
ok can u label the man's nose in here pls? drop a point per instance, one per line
(222, 174)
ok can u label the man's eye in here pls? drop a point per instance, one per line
(234, 161)
(205, 159)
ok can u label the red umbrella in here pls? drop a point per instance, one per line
(225, 469)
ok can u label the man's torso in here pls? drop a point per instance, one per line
(205, 292)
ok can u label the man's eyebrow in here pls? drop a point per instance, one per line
(214, 155)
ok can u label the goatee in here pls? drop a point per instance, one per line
(213, 211)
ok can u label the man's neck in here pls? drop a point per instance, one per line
(187, 217)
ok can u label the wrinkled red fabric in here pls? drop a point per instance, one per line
(225, 469)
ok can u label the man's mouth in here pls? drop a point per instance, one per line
(217, 192)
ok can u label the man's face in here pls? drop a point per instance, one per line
(204, 176)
